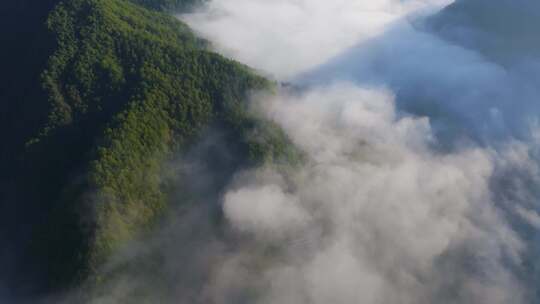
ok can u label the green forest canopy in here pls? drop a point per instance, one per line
(113, 93)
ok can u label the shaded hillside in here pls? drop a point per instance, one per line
(25, 49)
(120, 91)
(26, 46)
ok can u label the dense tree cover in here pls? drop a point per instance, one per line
(120, 90)
(169, 5)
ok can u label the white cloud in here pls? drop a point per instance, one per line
(387, 212)
(265, 210)
(530, 216)
(285, 37)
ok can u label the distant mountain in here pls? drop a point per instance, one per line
(503, 30)
(98, 97)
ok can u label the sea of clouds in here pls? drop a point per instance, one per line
(421, 173)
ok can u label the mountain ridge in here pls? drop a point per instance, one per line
(124, 89)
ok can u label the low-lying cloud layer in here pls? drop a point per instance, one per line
(375, 216)
(422, 147)
(463, 92)
(286, 37)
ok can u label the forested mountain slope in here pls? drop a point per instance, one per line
(98, 96)
(169, 5)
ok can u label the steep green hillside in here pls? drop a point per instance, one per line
(169, 5)
(122, 91)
